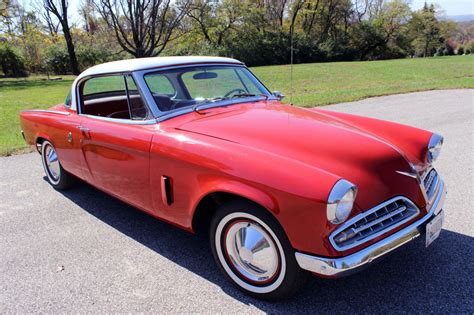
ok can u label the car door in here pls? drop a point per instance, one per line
(117, 134)
(61, 128)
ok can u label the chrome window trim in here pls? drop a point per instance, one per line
(365, 214)
(82, 80)
(122, 121)
(47, 111)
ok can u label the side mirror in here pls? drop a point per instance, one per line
(278, 95)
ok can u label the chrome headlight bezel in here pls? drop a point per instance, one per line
(341, 201)
(434, 148)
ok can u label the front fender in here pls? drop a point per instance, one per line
(223, 185)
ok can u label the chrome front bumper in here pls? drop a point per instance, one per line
(343, 266)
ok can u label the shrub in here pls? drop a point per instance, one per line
(57, 60)
(11, 62)
(448, 50)
(469, 46)
(91, 56)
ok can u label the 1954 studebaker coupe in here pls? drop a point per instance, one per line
(283, 191)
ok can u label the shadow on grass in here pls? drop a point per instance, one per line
(437, 279)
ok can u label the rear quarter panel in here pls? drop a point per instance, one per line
(55, 128)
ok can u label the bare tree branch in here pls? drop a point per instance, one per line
(59, 8)
(143, 28)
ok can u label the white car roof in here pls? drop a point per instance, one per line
(152, 62)
(130, 65)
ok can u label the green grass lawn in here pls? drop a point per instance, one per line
(313, 85)
(336, 82)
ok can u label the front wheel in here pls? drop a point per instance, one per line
(252, 250)
(58, 177)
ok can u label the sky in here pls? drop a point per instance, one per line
(450, 7)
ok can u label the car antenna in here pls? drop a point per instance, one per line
(291, 63)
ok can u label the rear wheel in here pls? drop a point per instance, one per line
(252, 250)
(58, 177)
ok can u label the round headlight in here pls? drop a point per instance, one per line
(434, 147)
(340, 201)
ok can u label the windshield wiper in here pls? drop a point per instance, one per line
(222, 98)
(210, 100)
(243, 95)
(249, 95)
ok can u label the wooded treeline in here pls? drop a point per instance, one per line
(48, 37)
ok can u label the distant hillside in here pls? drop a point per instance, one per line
(461, 18)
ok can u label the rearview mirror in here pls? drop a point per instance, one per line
(205, 75)
(278, 95)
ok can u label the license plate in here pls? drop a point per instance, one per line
(433, 228)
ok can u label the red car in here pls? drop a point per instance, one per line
(283, 191)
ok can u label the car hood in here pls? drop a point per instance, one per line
(318, 140)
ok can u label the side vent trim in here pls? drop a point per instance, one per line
(166, 195)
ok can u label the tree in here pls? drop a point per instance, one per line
(142, 28)
(426, 31)
(9, 14)
(11, 62)
(214, 20)
(384, 25)
(59, 8)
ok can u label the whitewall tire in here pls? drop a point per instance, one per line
(252, 250)
(58, 177)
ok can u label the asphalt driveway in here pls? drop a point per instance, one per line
(83, 251)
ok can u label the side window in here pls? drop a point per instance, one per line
(103, 87)
(160, 85)
(138, 109)
(67, 102)
(107, 96)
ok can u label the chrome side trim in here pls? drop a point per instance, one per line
(47, 111)
(412, 175)
(342, 266)
(365, 214)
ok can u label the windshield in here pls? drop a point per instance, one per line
(194, 86)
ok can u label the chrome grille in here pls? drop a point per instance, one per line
(373, 223)
(430, 182)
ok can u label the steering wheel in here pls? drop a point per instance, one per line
(234, 91)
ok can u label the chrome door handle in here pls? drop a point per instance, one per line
(85, 132)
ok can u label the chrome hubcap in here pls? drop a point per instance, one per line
(251, 251)
(52, 162)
